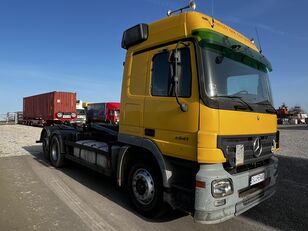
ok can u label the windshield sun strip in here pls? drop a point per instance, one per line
(232, 49)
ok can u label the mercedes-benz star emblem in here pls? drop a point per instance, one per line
(257, 147)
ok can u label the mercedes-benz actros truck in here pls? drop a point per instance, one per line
(197, 128)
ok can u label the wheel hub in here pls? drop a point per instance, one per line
(143, 186)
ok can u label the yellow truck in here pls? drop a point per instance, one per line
(197, 127)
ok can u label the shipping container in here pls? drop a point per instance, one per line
(104, 112)
(51, 107)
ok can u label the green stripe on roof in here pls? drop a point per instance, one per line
(225, 44)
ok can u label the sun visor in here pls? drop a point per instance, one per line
(209, 38)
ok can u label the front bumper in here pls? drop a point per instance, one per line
(243, 198)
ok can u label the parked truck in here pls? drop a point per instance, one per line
(81, 113)
(104, 112)
(49, 108)
(19, 117)
(197, 127)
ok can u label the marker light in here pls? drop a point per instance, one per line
(192, 4)
(220, 202)
(200, 184)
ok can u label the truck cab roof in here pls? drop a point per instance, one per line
(182, 25)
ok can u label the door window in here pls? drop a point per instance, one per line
(162, 83)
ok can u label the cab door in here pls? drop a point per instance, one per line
(174, 131)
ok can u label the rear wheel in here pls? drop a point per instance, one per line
(145, 188)
(56, 157)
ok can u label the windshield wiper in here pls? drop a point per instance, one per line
(268, 103)
(236, 97)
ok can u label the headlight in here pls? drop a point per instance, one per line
(59, 114)
(74, 115)
(221, 188)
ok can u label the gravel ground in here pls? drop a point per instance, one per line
(294, 141)
(14, 137)
(35, 196)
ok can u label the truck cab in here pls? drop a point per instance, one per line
(228, 127)
(81, 113)
(197, 127)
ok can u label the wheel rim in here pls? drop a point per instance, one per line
(143, 186)
(54, 152)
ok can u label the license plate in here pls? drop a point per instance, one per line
(66, 116)
(257, 178)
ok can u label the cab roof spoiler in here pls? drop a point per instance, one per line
(135, 35)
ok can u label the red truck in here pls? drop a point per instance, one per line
(49, 108)
(104, 112)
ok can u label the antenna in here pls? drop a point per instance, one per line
(212, 8)
(258, 38)
(213, 20)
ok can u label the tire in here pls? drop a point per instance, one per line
(45, 146)
(145, 188)
(56, 157)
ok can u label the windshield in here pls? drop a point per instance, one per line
(229, 76)
(116, 112)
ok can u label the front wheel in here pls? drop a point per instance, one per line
(56, 157)
(145, 188)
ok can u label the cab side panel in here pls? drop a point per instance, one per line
(133, 94)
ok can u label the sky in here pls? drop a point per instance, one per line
(75, 45)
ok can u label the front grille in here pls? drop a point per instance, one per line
(228, 145)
